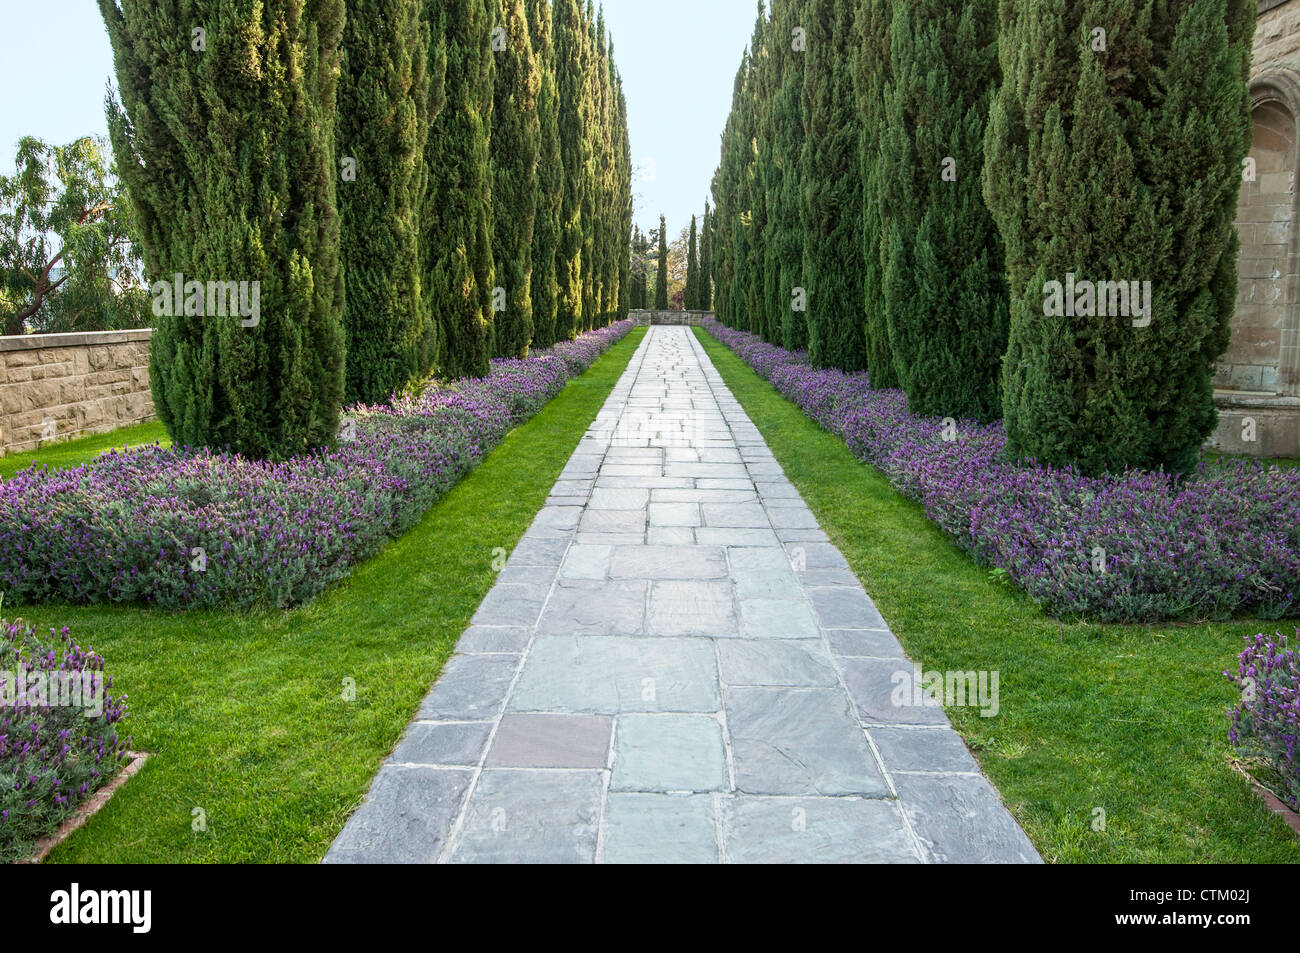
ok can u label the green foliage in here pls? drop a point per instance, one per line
(871, 75)
(692, 296)
(945, 295)
(661, 272)
(516, 135)
(456, 241)
(705, 296)
(1120, 163)
(639, 270)
(550, 177)
(225, 141)
(832, 189)
(570, 58)
(383, 123)
(67, 257)
(784, 233)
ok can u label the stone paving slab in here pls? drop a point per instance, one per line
(676, 666)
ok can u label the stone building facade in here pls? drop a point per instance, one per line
(1258, 378)
(59, 386)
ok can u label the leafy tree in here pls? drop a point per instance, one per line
(783, 245)
(67, 258)
(570, 58)
(224, 137)
(383, 123)
(1114, 154)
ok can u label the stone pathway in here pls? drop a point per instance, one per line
(677, 666)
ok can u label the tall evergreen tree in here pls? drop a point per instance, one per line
(945, 295)
(871, 70)
(783, 242)
(570, 42)
(706, 261)
(832, 190)
(590, 186)
(640, 297)
(383, 122)
(623, 154)
(761, 93)
(661, 274)
(232, 178)
(1116, 156)
(742, 235)
(456, 239)
(550, 177)
(514, 148)
(692, 295)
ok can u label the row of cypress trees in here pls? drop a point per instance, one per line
(415, 185)
(901, 181)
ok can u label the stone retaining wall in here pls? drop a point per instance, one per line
(58, 386)
(669, 317)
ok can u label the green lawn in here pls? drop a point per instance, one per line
(1129, 719)
(71, 452)
(244, 713)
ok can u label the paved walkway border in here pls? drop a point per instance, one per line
(676, 665)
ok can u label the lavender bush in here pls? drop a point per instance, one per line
(1139, 547)
(1265, 724)
(58, 733)
(183, 528)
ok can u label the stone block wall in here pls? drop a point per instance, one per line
(669, 317)
(54, 387)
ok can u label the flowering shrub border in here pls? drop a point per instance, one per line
(58, 733)
(187, 528)
(1265, 724)
(1136, 547)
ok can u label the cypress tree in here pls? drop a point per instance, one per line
(382, 126)
(945, 295)
(623, 237)
(514, 149)
(590, 185)
(761, 91)
(706, 261)
(569, 65)
(640, 250)
(1116, 156)
(692, 296)
(742, 236)
(456, 238)
(783, 245)
(832, 190)
(610, 213)
(661, 275)
(232, 178)
(550, 177)
(870, 81)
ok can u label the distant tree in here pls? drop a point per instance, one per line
(661, 274)
(691, 292)
(67, 258)
(706, 261)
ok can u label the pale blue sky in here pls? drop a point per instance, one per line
(678, 59)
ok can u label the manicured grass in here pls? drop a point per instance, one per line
(1128, 719)
(71, 452)
(244, 714)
